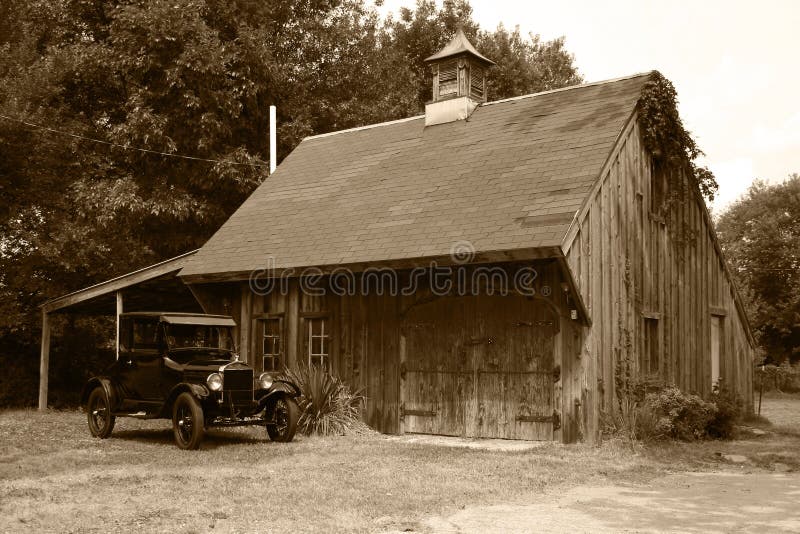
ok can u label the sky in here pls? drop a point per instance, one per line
(734, 63)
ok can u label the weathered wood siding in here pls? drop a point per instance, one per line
(631, 264)
(367, 340)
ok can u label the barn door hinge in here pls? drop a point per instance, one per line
(421, 413)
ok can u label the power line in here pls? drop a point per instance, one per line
(126, 147)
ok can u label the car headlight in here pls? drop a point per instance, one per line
(265, 381)
(214, 382)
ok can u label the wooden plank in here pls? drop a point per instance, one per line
(44, 361)
(292, 324)
(391, 358)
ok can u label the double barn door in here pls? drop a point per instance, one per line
(478, 366)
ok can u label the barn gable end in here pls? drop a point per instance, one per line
(655, 284)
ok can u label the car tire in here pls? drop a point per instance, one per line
(98, 413)
(285, 412)
(187, 422)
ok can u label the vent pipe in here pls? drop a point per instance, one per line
(273, 144)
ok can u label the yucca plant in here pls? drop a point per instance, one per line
(327, 406)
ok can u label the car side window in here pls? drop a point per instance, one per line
(145, 337)
(125, 335)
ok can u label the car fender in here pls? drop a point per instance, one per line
(199, 392)
(107, 384)
(279, 388)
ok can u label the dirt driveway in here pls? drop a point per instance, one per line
(694, 502)
(749, 500)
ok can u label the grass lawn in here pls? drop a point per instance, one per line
(55, 477)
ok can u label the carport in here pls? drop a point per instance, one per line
(153, 288)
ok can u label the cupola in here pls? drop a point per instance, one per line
(459, 81)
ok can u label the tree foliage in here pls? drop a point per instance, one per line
(760, 234)
(192, 78)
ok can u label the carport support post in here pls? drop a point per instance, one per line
(119, 311)
(44, 362)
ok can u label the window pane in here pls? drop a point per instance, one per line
(316, 345)
(272, 336)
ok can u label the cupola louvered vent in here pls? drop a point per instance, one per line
(477, 83)
(448, 78)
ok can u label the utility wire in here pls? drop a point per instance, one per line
(126, 147)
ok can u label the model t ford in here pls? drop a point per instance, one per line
(184, 367)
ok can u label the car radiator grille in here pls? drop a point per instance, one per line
(238, 385)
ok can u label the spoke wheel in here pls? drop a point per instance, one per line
(285, 413)
(187, 422)
(98, 414)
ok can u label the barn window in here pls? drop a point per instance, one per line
(650, 356)
(318, 341)
(272, 343)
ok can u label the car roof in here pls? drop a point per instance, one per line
(185, 318)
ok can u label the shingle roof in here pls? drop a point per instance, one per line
(510, 177)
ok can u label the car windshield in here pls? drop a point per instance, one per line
(191, 336)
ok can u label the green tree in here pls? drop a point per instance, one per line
(760, 234)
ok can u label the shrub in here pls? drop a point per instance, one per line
(728, 413)
(327, 406)
(680, 415)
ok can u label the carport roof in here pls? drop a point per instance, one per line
(152, 287)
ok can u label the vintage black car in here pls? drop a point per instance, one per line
(184, 366)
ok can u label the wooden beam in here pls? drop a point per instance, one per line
(577, 298)
(119, 312)
(121, 282)
(505, 256)
(245, 318)
(44, 362)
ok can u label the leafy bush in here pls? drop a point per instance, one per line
(728, 413)
(681, 415)
(327, 406)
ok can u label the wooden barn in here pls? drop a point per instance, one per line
(483, 269)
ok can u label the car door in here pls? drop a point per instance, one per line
(141, 365)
